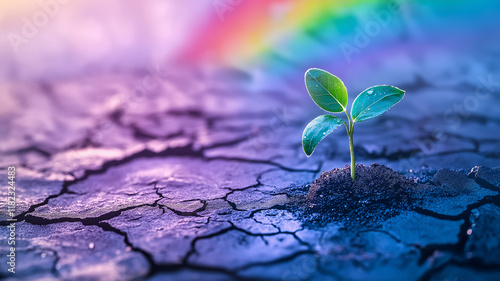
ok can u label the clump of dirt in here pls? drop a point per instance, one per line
(377, 194)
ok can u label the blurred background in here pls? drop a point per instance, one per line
(119, 76)
(62, 38)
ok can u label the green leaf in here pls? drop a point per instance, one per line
(317, 130)
(374, 101)
(326, 90)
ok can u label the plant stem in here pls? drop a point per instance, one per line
(348, 121)
(350, 132)
(351, 147)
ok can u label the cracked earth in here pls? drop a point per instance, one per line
(200, 179)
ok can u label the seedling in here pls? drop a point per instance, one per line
(330, 94)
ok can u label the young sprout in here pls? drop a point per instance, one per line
(330, 94)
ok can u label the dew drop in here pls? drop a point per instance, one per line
(324, 133)
(370, 92)
(91, 245)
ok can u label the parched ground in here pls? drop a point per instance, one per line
(200, 177)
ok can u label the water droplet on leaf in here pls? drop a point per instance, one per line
(370, 92)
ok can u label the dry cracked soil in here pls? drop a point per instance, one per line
(205, 179)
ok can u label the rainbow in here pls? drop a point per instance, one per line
(282, 34)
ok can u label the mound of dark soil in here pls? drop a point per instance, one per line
(377, 193)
